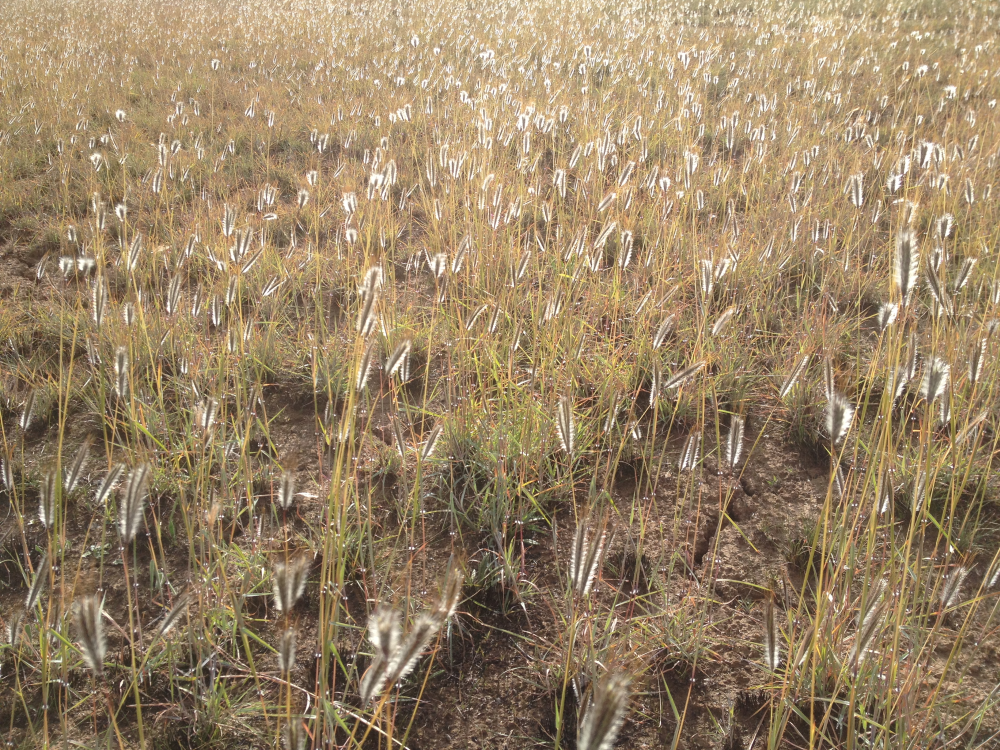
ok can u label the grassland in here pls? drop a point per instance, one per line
(499, 375)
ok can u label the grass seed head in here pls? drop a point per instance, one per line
(6, 473)
(289, 582)
(585, 559)
(75, 469)
(384, 634)
(174, 615)
(977, 361)
(27, 412)
(677, 380)
(286, 651)
(294, 735)
(286, 490)
(691, 452)
(869, 622)
(794, 375)
(452, 593)
(90, 632)
(133, 503)
(905, 262)
(424, 628)
(772, 645)
(364, 367)
(566, 425)
(603, 717)
(951, 588)
(839, 414)
(398, 363)
(664, 329)
(935, 379)
(110, 480)
(734, 442)
(432, 440)
(48, 497)
(886, 315)
(39, 583)
(121, 371)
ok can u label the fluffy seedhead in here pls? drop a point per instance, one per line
(286, 651)
(663, 330)
(905, 262)
(451, 594)
(656, 384)
(133, 502)
(48, 496)
(794, 376)
(365, 366)
(432, 440)
(384, 634)
(289, 582)
(829, 378)
(839, 414)
(935, 379)
(604, 714)
(566, 425)
(121, 371)
(370, 289)
(294, 735)
(174, 615)
(772, 645)
(90, 632)
(886, 315)
(723, 321)
(413, 646)
(204, 418)
(6, 473)
(734, 443)
(942, 300)
(395, 655)
(110, 480)
(27, 412)
(677, 380)
(585, 559)
(75, 469)
(690, 453)
(286, 490)
(951, 588)
(398, 363)
(869, 622)
(977, 361)
(39, 583)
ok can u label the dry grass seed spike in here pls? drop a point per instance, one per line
(75, 469)
(286, 490)
(173, 615)
(130, 512)
(734, 442)
(90, 630)
(839, 414)
(772, 646)
(39, 583)
(604, 714)
(566, 425)
(588, 544)
(289, 582)
(395, 656)
(48, 497)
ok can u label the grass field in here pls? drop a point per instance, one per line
(499, 375)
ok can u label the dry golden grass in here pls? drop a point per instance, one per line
(499, 375)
